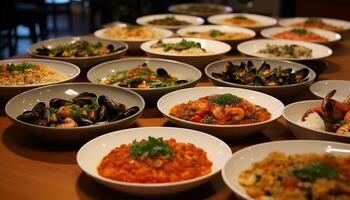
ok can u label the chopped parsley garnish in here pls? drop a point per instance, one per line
(20, 67)
(311, 20)
(153, 147)
(314, 171)
(299, 31)
(215, 33)
(76, 111)
(239, 17)
(224, 99)
(180, 46)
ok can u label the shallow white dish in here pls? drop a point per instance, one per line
(91, 154)
(242, 159)
(273, 105)
(252, 47)
(71, 70)
(322, 88)
(226, 29)
(181, 9)
(181, 70)
(276, 91)
(83, 62)
(335, 22)
(27, 100)
(193, 20)
(330, 35)
(134, 44)
(217, 50)
(293, 114)
(263, 21)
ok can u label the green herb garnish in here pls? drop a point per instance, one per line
(224, 99)
(311, 20)
(76, 111)
(314, 171)
(239, 17)
(153, 147)
(215, 33)
(299, 31)
(20, 67)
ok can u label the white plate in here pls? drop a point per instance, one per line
(293, 114)
(330, 35)
(226, 29)
(252, 47)
(177, 9)
(193, 20)
(242, 159)
(91, 154)
(273, 105)
(335, 22)
(70, 70)
(322, 88)
(218, 50)
(134, 44)
(263, 21)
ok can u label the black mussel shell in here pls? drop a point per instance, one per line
(40, 108)
(110, 48)
(301, 74)
(29, 116)
(285, 72)
(82, 121)
(101, 114)
(57, 102)
(41, 122)
(84, 98)
(249, 76)
(273, 81)
(162, 73)
(127, 113)
(258, 81)
(264, 69)
(43, 51)
(291, 79)
(179, 82)
(250, 64)
(113, 108)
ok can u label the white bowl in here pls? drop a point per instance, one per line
(273, 105)
(91, 154)
(177, 9)
(293, 114)
(263, 21)
(244, 158)
(193, 20)
(276, 91)
(322, 88)
(134, 44)
(151, 95)
(83, 62)
(335, 22)
(226, 29)
(218, 50)
(330, 35)
(72, 71)
(252, 47)
(27, 100)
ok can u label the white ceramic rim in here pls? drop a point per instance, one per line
(264, 22)
(312, 86)
(286, 21)
(195, 20)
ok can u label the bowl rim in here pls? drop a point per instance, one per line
(252, 33)
(287, 142)
(81, 38)
(145, 48)
(139, 20)
(325, 81)
(168, 33)
(68, 64)
(225, 8)
(286, 28)
(7, 107)
(272, 23)
(284, 21)
(239, 48)
(91, 71)
(218, 125)
(210, 65)
(151, 185)
(304, 127)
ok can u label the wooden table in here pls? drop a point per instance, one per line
(32, 169)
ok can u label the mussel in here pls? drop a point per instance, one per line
(84, 98)
(29, 116)
(127, 113)
(57, 103)
(112, 107)
(162, 73)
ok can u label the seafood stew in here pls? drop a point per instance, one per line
(313, 22)
(300, 34)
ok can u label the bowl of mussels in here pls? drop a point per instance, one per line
(84, 51)
(275, 77)
(74, 111)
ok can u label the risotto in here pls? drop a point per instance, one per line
(132, 32)
(28, 74)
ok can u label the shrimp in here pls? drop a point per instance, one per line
(67, 123)
(347, 117)
(65, 111)
(218, 112)
(344, 130)
(235, 114)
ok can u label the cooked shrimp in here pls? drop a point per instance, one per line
(218, 112)
(67, 123)
(347, 117)
(65, 111)
(344, 130)
(235, 114)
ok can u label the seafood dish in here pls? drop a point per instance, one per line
(286, 51)
(142, 77)
(182, 47)
(131, 32)
(317, 23)
(78, 49)
(83, 110)
(298, 176)
(24, 74)
(300, 34)
(241, 20)
(155, 160)
(168, 21)
(263, 75)
(219, 35)
(332, 115)
(200, 8)
(220, 109)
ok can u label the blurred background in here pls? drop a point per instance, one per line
(23, 22)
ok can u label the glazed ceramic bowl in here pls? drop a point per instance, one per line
(191, 20)
(196, 9)
(322, 88)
